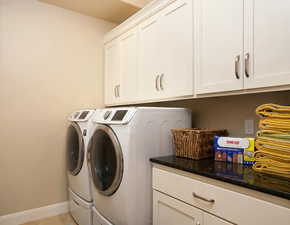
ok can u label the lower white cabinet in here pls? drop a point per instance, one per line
(209, 219)
(182, 200)
(170, 211)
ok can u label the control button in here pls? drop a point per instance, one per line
(85, 132)
(107, 114)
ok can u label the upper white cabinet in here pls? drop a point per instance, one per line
(242, 44)
(128, 89)
(112, 72)
(220, 45)
(176, 78)
(150, 57)
(267, 45)
(181, 48)
(166, 52)
(121, 69)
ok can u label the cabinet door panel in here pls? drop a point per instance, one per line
(149, 57)
(177, 53)
(213, 220)
(219, 42)
(169, 211)
(128, 66)
(112, 71)
(267, 35)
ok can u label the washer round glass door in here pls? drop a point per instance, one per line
(105, 160)
(75, 149)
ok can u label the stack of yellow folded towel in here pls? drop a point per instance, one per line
(273, 140)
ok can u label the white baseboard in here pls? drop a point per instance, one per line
(34, 214)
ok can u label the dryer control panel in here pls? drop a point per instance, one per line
(115, 115)
(81, 116)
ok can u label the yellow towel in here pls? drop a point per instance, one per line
(275, 124)
(274, 111)
(273, 143)
(272, 167)
(277, 156)
(273, 134)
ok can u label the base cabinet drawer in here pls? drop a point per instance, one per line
(170, 211)
(232, 206)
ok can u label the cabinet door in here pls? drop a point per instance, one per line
(267, 43)
(169, 211)
(112, 72)
(128, 65)
(213, 220)
(220, 45)
(150, 59)
(177, 49)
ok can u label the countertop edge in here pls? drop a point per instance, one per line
(280, 194)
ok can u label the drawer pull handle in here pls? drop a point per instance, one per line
(202, 198)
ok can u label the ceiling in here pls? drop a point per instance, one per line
(137, 3)
(115, 11)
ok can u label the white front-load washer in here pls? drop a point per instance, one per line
(120, 146)
(80, 198)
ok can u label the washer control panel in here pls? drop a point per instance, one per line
(107, 114)
(115, 115)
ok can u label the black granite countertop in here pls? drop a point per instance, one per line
(238, 174)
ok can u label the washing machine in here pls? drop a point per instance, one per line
(80, 198)
(120, 146)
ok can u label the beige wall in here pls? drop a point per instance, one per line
(228, 112)
(50, 65)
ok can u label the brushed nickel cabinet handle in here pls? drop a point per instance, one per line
(118, 91)
(237, 62)
(161, 82)
(156, 83)
(115, 91)
(247, 61)
(202, 198)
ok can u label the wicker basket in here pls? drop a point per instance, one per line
(195, 143)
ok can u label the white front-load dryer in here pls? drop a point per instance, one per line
(80, 198)
(120, 146)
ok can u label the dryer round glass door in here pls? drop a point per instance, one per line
(75, 149)
(105, 160)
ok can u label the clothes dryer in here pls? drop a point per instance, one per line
(120, 146)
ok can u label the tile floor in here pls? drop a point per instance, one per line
(64, 219)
